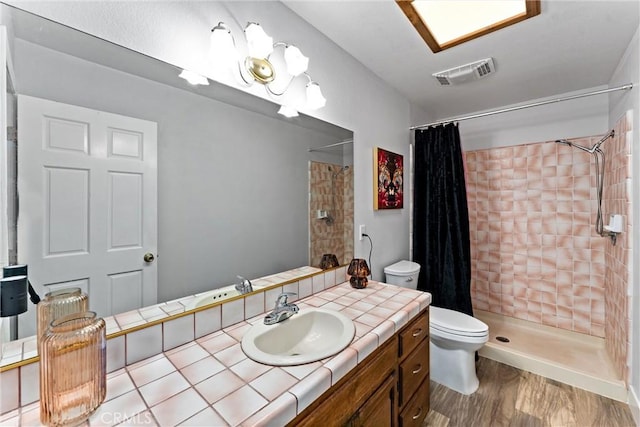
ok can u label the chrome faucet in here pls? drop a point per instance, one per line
(244, 287)
(283, 309)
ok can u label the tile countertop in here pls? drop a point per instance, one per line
(211, 382)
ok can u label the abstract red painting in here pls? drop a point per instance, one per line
(388, 169)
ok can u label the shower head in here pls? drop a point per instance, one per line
(580, 147)
(594, 148)
(611, 134)
(342, 169)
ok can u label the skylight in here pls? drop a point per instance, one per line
(445, 23)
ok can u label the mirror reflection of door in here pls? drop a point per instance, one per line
(87, 189)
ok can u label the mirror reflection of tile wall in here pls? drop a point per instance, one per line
(330, 236)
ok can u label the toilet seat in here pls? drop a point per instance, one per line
(450, 322)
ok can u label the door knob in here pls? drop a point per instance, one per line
(148, 257)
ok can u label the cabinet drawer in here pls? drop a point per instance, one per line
(417, 408)
(414, 370)
(414, 334)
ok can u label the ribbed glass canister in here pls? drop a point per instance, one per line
(57, 304)
(73, 368)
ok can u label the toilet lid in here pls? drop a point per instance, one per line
(456, 323)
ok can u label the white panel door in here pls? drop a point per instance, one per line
(87, 185)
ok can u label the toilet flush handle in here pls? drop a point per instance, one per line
(410, 279)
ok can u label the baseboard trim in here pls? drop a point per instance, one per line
(634, 405)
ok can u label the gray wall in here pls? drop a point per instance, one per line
(232, 184)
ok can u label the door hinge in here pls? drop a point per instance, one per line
(12, 134)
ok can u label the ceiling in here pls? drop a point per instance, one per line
(570, 46)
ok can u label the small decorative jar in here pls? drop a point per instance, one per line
(73, 367)
(59, 303)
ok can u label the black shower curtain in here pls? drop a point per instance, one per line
(441, 218)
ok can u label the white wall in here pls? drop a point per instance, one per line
(178, 32)
(628, 71)
(569, 119)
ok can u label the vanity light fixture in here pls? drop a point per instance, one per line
(194, 78)
(258, 66)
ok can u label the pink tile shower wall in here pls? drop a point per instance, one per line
(535, 253)
(336, 238)
(617, 199)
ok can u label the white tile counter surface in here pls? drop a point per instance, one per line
(211, 382)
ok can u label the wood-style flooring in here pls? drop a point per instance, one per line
(511, 397)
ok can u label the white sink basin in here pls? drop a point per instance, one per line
(305, 337)
(213, 296)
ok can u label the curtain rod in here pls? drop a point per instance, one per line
(628, 86)
(346, 141)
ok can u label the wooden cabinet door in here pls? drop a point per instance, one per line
(379, 409)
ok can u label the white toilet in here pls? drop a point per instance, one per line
(403, 273)
(454, 337)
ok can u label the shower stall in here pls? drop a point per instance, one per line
(544, 271)
(330, 211)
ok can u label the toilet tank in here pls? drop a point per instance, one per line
(403, 273)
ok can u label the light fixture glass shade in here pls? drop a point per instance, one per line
(222, 45)
(260, 45)
(288, 111)
(194, 78)
(297, 63)
(315, 99)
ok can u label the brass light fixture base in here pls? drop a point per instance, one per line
(260, 69)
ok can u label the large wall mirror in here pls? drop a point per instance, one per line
(240, 190)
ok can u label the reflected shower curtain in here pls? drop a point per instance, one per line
(441, 218)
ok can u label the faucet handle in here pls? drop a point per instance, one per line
(244, 286)
(283, 298)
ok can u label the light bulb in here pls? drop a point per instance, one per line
(260, 45)
(194, 78)
(297, 63)
(315, 99)
(288, 111)
(222, 44)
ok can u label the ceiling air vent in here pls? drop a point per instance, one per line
(465, 73)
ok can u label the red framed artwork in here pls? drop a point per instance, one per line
(388, 172)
